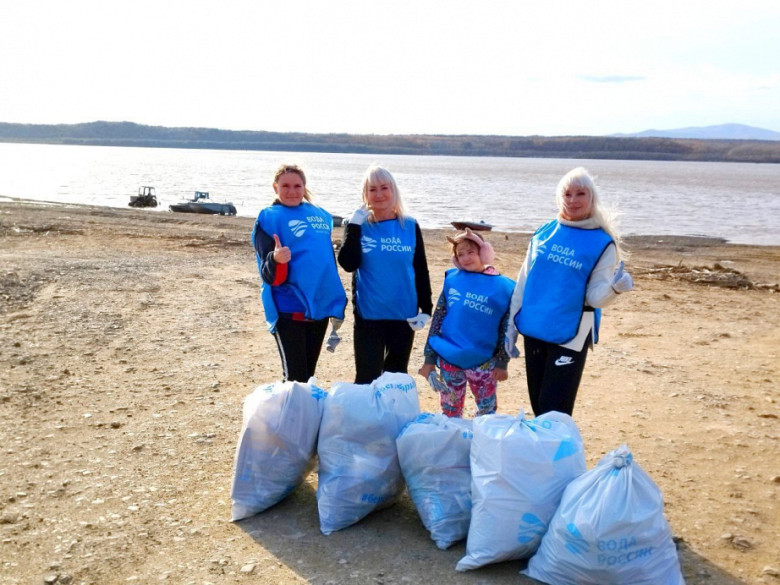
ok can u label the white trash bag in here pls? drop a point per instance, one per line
(276, 448)
(609, 528)
(519, 469)
(433, 452)
(358, 458)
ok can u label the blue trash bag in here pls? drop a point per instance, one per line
(519, 469)
(358, 458)
(277, 444)
(433, 452)
(610, 528)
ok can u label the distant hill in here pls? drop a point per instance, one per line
(577, 147)
(719, 132)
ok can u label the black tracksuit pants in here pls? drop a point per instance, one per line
(553, 373)
(299, 343)
(381, 346)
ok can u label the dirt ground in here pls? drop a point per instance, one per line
(131, 337)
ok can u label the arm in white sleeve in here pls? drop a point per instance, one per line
(599, 293)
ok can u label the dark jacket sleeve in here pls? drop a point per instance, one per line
(435, 328)
(351, 254)
(422, 279)
(502, 358)
(271, 272)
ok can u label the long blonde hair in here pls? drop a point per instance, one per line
(603, 217)
(377, 174)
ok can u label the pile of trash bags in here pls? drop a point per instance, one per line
(514, 488)
(351, 430)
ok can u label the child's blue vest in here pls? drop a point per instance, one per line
(384, 282)
(312, 277)
(560, 263)
(476, 303)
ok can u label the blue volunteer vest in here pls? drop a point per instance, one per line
(312, 277)
(560, 263)
(476, 303)
(384, 282)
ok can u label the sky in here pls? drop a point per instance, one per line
(505, 67)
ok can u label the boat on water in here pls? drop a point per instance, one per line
(475, 226)
(147, 197)
(201, 203)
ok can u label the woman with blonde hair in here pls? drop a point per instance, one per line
(301, 289)
(391, 287)
(572, 269)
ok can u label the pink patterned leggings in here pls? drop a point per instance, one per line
(482, 385)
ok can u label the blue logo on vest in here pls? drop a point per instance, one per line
(367, 244)
(298, 227)
(453, 297)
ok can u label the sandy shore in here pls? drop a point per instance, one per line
(130, 339)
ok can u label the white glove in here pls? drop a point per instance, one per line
(510, 341)
(622, 281)
(360, 215)
(418, 322)
(333, 339)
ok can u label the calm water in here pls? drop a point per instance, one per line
(739, 202)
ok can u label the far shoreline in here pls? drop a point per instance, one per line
(636, 239)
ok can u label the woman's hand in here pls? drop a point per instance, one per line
(622, 281)
(282, 254)
(418, 322)
(426, 370)
(499, 374)
(360, 215)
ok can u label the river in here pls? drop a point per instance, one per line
(739, 202)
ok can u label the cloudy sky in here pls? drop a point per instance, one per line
(514, 67)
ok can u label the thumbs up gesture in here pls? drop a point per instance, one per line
(622, 281)
(282, 254)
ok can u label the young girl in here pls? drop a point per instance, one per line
(466, 338)
(301, 288)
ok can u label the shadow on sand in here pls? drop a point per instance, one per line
(391, 546)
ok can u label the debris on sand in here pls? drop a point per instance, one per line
(716, 275)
